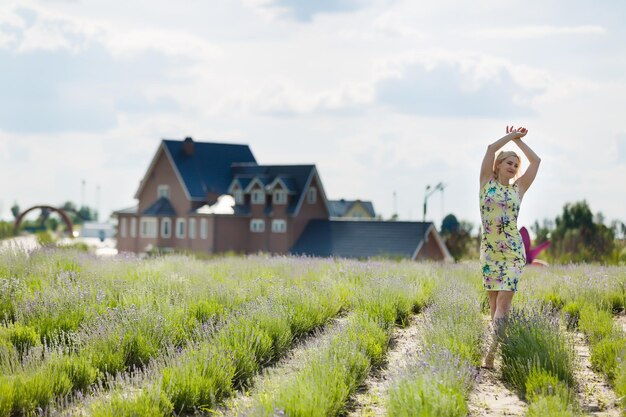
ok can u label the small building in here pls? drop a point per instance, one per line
(96, 230)
(215, 197)
(367, 239)
(351, 209)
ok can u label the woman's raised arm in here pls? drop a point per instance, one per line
(524, 182)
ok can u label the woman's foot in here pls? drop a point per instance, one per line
(489, 359)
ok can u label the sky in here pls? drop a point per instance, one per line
(385, 97)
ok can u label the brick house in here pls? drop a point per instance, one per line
(271, 205)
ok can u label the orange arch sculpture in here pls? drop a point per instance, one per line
(62, 213)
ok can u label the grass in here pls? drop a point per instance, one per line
(532, 342)
(176, 334)
(438, 382)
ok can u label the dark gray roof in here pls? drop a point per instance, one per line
(338, 208)
(161, 207)
(208, 168)
(297, 175)
(243, 181)
(360, 239)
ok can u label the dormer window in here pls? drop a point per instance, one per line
(312, 195)
(238, 195)
(258, 196)
(279, 197)
(163, 191)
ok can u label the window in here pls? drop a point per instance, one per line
(279, 226)
(133, 227)
(163, 191)
(192, 228)
(180, 228)
(204, 228)
(257, 225)
(123, 227)
(148, 227)
(166, 228)
(258, 197)
(312, 195)
(280, 197)
(238, 194)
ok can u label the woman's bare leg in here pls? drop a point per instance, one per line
(493, 295)
(503, 301)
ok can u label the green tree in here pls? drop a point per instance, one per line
(457, 236)
(577, 238)
(15, 209)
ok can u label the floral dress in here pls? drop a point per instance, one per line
(502, 253)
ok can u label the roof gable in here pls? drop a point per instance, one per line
(161, 207)
(206, 169)
(339, 208)
(296, 178)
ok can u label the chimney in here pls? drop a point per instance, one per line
(188, 146)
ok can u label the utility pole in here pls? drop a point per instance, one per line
(97, 202)
(82, 195)
(428, 193)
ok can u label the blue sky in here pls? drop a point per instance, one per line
(383, 95)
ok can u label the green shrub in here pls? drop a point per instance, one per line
(249, 346)
(549, 406)
(606, 353)
(38, 390)
(571, 314)
(615, 301)
(7, 395)
(541, 383)
(323, 386)
(44, 238)
(595, 323)
(78, 369)
(206, 310)
(22, 337)
(620, 382)
(435, 385)
(553, 300)
(533, 342)
(199, 380)
(423, 397)
(142, 404)
(139, 348)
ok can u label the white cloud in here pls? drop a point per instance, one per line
(526, 32)
(304, 11)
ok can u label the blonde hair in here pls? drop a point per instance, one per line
(501, 157)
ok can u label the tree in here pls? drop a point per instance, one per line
(15, 209)
(457, 236)
(542, 232)
(449, 224)
(578, 238)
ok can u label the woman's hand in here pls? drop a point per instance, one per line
(520, 132)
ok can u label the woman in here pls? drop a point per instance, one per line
(501, 249)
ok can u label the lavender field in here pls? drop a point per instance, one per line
(270, 336)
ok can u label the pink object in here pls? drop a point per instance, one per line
(531, 253)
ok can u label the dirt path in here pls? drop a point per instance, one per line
(370, 400)
(595, 395)
(490, 397)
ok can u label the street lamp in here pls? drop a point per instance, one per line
(429, 192)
